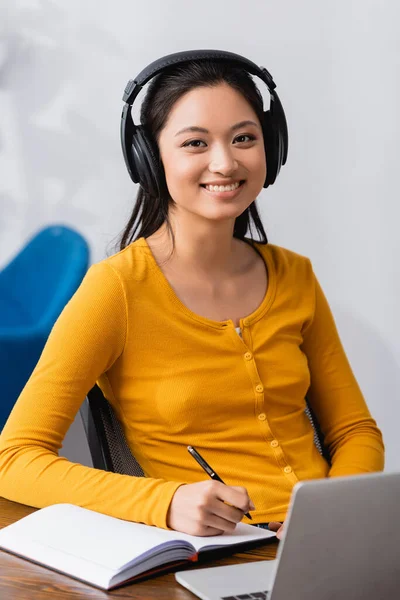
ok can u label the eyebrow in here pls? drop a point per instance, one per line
(203, 130)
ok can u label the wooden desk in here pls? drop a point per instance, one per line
(23, 580)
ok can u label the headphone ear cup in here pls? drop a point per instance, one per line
(270, 149)
(146, 162)
(276, 139)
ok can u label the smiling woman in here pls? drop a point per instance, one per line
(197, 332)
(193, 94)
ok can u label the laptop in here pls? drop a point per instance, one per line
(341, 541)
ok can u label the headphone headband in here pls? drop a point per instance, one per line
(134, 86)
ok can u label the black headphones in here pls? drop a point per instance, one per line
(141, 151)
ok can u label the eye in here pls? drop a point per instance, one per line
(193, 144)
(249, 136)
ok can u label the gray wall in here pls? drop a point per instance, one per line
(63, 67)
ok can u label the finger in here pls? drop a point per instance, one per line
(241, 490)
(274, 525)
(235, 496)
(211, 519)
(226, 512)
(207, 531)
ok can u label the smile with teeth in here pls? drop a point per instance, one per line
(223, 188)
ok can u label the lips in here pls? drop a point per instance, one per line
(215, 187)
(225, 194)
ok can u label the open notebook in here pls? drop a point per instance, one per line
(106, 552)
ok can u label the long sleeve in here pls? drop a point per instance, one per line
(351, 434)
(87, 339)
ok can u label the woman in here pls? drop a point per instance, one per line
(197, 335)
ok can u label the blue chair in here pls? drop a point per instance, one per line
(34, 288)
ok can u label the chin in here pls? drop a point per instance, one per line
(216, 211)
(220, 216)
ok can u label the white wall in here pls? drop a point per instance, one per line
(63, 67)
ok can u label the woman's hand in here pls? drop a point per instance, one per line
(208, 508)
(278, 527)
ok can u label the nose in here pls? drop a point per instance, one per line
(222, 160)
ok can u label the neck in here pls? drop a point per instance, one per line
(204, 248)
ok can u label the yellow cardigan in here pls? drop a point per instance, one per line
(175, 378)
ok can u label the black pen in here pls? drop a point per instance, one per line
(204, 465)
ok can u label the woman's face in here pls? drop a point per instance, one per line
(213, 137)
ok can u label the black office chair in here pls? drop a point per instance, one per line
(107, 444)
(319, 438)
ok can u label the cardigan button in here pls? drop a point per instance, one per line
(248, 356)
